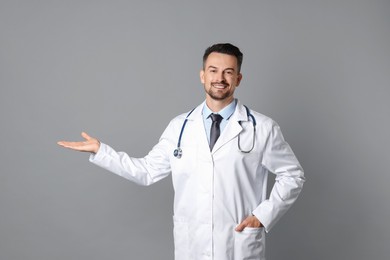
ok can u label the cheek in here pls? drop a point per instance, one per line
(202, 76)
(206, 80)
(232, 82)
(236, 81)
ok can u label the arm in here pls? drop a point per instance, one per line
(279, 159)
(143, 171)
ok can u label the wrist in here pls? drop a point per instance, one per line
(97, 147)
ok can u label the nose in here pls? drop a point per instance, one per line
(220, 77)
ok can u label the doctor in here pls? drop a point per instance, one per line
(219, 155)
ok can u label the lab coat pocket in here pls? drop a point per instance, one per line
(249, 244)
(180, 234)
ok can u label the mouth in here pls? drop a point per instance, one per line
(219, 85)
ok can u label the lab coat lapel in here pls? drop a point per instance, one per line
(233, 127)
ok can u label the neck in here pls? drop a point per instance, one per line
(218, 105)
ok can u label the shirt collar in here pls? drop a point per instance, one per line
(226, 112)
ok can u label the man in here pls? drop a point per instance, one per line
(219, 155)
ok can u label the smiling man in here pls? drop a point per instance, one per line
(220, 77)
(219, 154)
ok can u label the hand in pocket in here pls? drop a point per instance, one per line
(251, 222)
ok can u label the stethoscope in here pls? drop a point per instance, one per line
(178, 152)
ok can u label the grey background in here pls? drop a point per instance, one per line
(319, 68)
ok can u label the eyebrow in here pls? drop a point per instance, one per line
(213, 67)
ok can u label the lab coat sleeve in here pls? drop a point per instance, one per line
(143, 171)
(279, 159)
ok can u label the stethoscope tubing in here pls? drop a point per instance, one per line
(178, 152)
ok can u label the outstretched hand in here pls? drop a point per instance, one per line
(90, 144)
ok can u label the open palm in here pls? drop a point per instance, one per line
(90, 144)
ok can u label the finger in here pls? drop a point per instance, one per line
(241, 226)
(65, 143)
(72, 145)
(86, 136)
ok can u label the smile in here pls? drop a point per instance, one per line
(219, 86)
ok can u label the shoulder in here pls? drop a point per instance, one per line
(264, 124)
(267, 128)
(190, 115)
(180, 117)
(261, 119)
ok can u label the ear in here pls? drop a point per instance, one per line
(201, 75)
(239, 78)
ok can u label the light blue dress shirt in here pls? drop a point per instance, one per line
(226, 113)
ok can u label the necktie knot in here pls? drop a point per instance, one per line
(216, 117)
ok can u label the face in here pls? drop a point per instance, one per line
(220, 77)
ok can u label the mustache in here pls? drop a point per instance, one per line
(224, 83)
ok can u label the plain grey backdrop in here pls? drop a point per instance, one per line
(120, 70)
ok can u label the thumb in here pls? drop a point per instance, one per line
(240, 227)
(86, 136)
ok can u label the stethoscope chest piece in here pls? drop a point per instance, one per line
(178, 152)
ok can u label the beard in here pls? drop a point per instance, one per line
(219, 94)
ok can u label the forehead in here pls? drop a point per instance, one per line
(221, 60)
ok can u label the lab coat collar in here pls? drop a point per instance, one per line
(238, 115)
(232, 129)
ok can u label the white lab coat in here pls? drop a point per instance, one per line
(215, 191)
